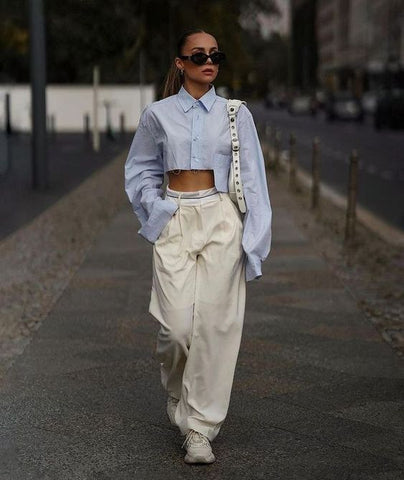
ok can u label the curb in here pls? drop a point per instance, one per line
(372, 222)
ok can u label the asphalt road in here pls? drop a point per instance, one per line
(381, 157)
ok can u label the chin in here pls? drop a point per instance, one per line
(207, 80)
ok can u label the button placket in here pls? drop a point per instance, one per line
(195, 135)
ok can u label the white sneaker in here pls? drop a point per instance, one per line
(198, 448)
(172, 403)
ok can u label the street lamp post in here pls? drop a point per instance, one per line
(40, 171)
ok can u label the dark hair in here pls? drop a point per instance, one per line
(174, 79)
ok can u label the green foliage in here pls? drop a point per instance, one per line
(13, 42)
(112, 34)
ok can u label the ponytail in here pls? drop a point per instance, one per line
(174, 79)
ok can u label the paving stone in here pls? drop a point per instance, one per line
(317, 394)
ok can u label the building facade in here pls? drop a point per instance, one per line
(303, 45)
(360, 43)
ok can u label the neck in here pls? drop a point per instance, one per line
(196, 90)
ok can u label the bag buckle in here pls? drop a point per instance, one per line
(235, 145)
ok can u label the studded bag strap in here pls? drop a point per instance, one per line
(232, 110)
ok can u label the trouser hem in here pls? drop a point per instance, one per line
(209, 432)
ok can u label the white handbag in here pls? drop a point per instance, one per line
(235, 185)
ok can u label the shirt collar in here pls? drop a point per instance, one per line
(187, 101)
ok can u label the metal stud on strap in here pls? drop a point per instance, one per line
(232, 110)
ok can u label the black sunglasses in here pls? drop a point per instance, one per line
(201, 58)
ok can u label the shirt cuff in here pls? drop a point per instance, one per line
(162, 211)
(253, 268)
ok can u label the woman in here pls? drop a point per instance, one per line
(204, 249)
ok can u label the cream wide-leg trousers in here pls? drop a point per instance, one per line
(198, 297)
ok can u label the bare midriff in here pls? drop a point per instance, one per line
(190, 180)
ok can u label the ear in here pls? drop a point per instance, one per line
(179, 63)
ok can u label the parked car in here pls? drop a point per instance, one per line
(390, 109)
(321, 98)
(276, 100)
(369, 102)
(303, 105)
(344, 106)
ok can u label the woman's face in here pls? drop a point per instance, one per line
(201, 74)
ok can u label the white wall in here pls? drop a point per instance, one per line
(69, 104)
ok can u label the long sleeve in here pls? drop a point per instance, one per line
(144, 176)
(258, 217)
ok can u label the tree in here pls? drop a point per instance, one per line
(82, 33)
(13, 42)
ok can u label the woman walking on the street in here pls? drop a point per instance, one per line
(204, 248)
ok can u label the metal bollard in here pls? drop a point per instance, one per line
(87, 126)
(292, 161)
(277, 148)
(4, 140)
(267, 140)
(122, 124)
(272, 144)
(52, 125)
(315, 171)
(352, 195)
(7, 106)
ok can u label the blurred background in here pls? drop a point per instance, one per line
(134, 41)
(324, 80)
(274, 46)
(330, 69)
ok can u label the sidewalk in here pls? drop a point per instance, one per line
(317, 393)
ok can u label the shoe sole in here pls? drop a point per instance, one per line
(199, 459)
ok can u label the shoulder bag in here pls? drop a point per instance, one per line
(235, 185)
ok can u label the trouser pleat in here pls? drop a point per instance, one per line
(198, 297)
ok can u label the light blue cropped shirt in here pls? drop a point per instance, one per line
(180, 132)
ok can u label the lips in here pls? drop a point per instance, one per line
(208, 70)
